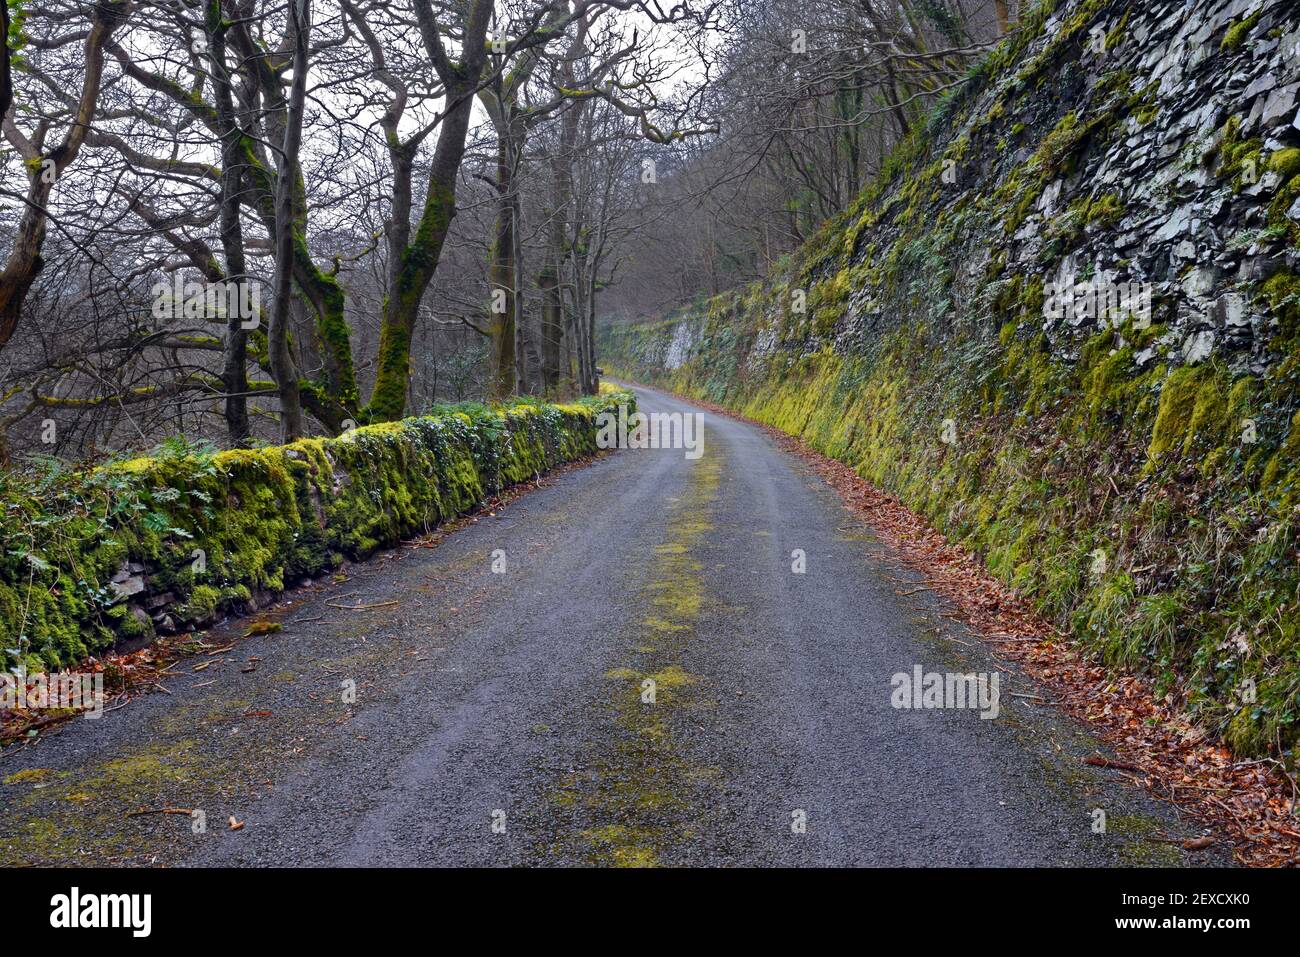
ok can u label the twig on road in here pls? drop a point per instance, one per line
(1097, 761)
(162, 810)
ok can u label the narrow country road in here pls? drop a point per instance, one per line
(499, 714)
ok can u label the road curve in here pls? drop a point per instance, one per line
(502, 714)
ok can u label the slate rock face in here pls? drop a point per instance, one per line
(1184, 130)
(1165, 160)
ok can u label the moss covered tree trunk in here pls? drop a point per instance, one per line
(234, 372)
(419, 261)
(287, 233)
(415, 260)
(333, 396)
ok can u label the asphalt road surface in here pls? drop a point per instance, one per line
(503, 713)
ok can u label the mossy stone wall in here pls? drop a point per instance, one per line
(169, 541)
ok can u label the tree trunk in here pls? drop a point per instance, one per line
(419, 260)
(502, 275)
(895, 103)
(234, 372)
(6, 75)
(548, 281)
(282, 366)
(592, 386)
(527, 362)
(559, 242)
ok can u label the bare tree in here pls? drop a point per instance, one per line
(45, 164)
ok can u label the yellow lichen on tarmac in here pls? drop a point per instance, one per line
(644, 781)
